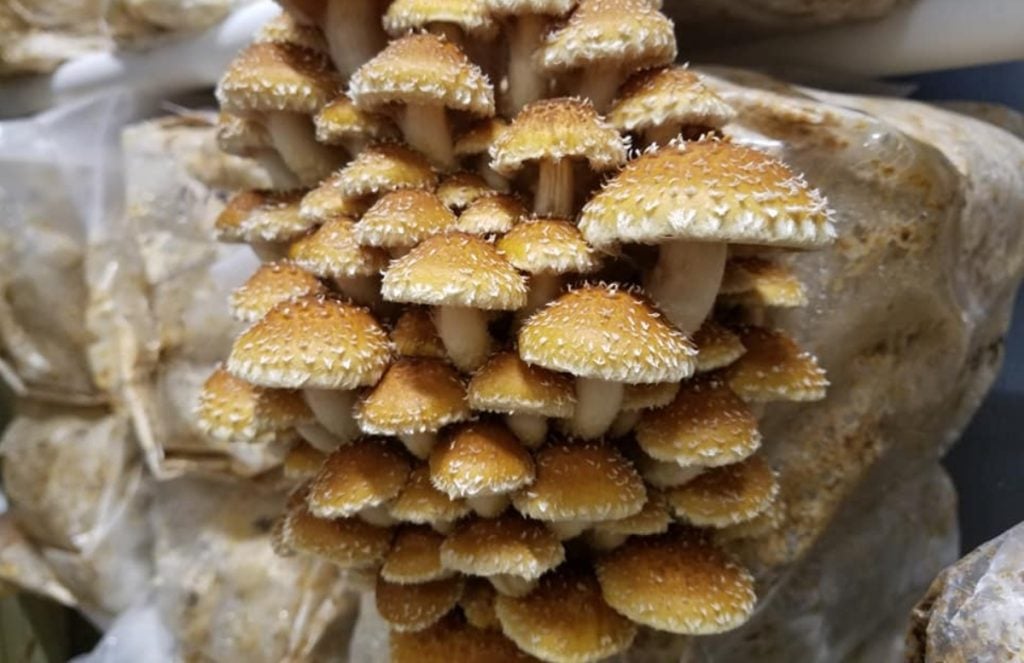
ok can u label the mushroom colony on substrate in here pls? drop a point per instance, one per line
(512, 339)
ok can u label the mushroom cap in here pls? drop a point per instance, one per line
(565, 619)
(707, 190)
(271, 284)
(717, 346)
(548, 246)
(420, 502)
(527, 7)
(626, 34)
(403, 219)
(385, 167)
(557, 129)
(241, 136)
(416, 607)
(341, 119)
(415, 395)
(606, 333)
(331, 251)
(423, 69)
(654, 518)
(283, 77)
(470, 15)
(459, 190)
(677, 582)
(507, 384)
(576, 480)
(763, 523)
(506, 545)
(480, 458)
(477, 604)
(351, 543)
(751, 280)
(267, 216)
(231, 409)
(415, 556)
(491, 214)
(706, 424)
(284, 29)
(357, 476)
(415, 335)
(317, 342)
(726, 495)
(451, 639)
(455, 269)
(774, 368)
(477, 139)
(648, 396)
(327, 202)
(675, 95)
(303, 461)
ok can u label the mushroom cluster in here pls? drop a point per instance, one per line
(518, 366)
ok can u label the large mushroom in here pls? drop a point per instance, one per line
(332, 252)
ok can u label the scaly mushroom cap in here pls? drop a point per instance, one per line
(565, 619)
(455, 269)
(606, 333)
(648, 396)
(477, 604)
(677, 582)
(774, 368)
(385, 167)
(480, 458)
(459, 190)
(231, 410)
(706, 425)
(277, 77)
(268, 216)
(548, 246)
(423, 69)
(303, 460)
(654, 518)
(629, 34)
(717, 346)
(416, 607)
(668, 95)
(507, 384)
(506, 545)
(415, 335)
(421, 503)
(763, 282)
(491, 215)
(340, 119)
(408, 15)
(351, 543)
(711, 190)
(451, 640)
(327, 202)
(524, 7)
(477, 139)
(414, 396)
(726, 495)
(284, 29)
(558, 129)
(331, 251)
(415, 556)
(271, 284)
(317, 342)
(403, 219)
(241, 136)
(588, 481)
(356, 476)
(767, 521)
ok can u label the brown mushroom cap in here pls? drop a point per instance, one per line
(331, 251)
(677, 582)
(750, 280)
(548, 246)
(726, 495)
(774, 369)
(385, 167)
(271, 77)
(271, 284)
(423, 69)
(414, 396)
(648, 396)
(455, 269)
(480, 458)
(763, 523)
(327, 202)
(507, 384)
(415, 335)
(522, 7)
(416, 607)
(668, 95)
(415, 556)
(268, 216)
(558, 129)
(654, 518)
(451, 640)
(241, 136)
(420, 502)
(710, 190)
(231, 409)
(403, 219)
(707, 425)
(506, 545)
(584, 481)
(491, 214)
(459, 190)
(351, 543)
(478, 137)
(303, 461)
(477, 604)
(470, 15)
(717, 346)
(340, 119)
(606, 333)
(312, 342)
(357, 476)
(284, 29)
(565, 619)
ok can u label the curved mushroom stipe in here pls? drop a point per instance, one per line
(597, 404)
(464, 333)
(333, 409)
(686, 280)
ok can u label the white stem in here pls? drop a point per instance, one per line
(362, 580)
(599, 84)
(597, 404)
(426, 129)
(354, 33)
(531, 429)
(333, 410)
(510, 585)
(605, 541)
(319, 437)
(491, 176)
(568, 529)
(268, 251)
(294, 138)
(667, 475)
(463, 332)
(419, 444)
(686, 279)
(281, 178)
(525, 82)
(361, 289)
(443, 526)
(624, 423)
(377, 515)
(488, 506)
(661, 134)
(554, 188)
(544, 287)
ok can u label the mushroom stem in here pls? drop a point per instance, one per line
(531, 429)
(525, 82)
(605, 541)
(377, 515)
(319, 437)
(544, 287)
(599, 84)
(426, 129)
(624, 422)
(463, 332)
(597, 404)
(443, 526)
(510, 585)
(333, 410)
(294, 139)
(363, 290)
(419, 444)
(491, 176)
(281, 178)
(686, 280)
(661, 134)
(488, 506)
(668, 475)
(354, 33)
(568, 529)
(554, 195)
